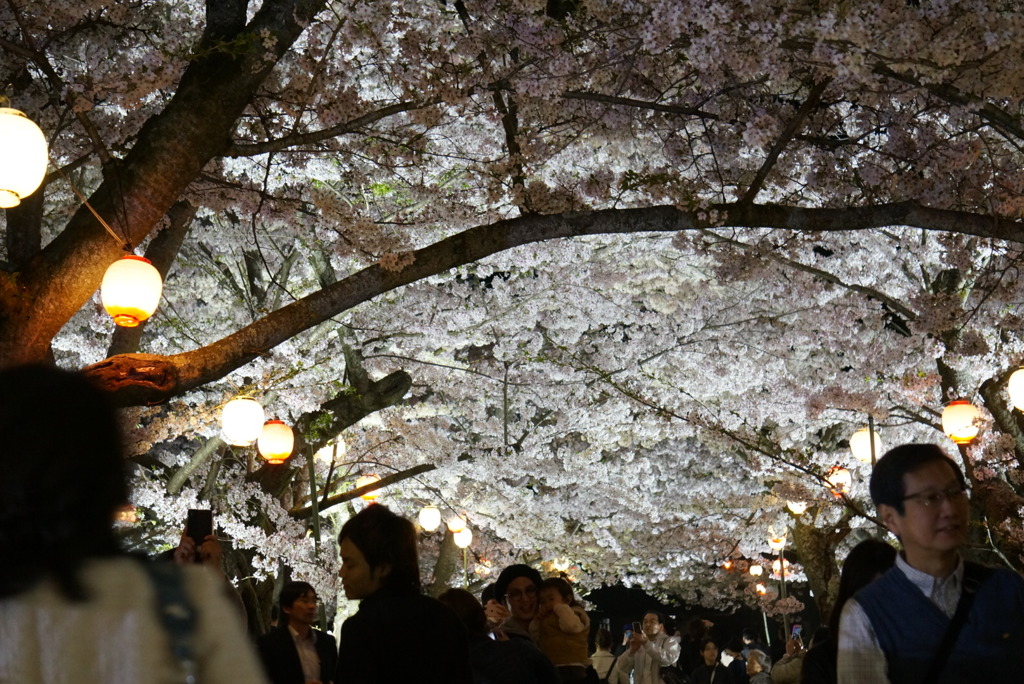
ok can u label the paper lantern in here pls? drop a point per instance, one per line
(727, 565)
(130, 290)
(761, 589)
(756, 570)
(777, 567)
(464, 537)
(430, 518)
(1015, 387)
(777, 543)
(840, 480)
(23, 157)
(797, 507)
(364, 480)
(860, 445)
(241, 421)
(276, 442)
(456, 523)
(958, 421)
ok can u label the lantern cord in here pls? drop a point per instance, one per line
(125, 244)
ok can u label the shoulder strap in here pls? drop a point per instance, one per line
(974, 577)
(176, 615)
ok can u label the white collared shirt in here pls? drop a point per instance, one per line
(860, 657)
(308, 656)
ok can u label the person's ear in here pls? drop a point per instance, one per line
(890, 518)
(382, 571)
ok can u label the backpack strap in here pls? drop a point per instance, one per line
(974, 577)
(177, 615)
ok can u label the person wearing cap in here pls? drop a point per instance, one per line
(516, 600)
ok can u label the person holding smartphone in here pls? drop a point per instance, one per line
(788, 669)
(650, 650)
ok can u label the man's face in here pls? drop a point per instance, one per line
(357, 578)
(651, 625)
(929, 531)
(303, 610)
(522, 598)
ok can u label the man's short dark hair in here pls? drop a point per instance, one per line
(292, 592)
(385, 538)
(887, 478)
(511, 573)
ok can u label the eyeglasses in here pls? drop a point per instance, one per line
(517, 594)
(929, 499)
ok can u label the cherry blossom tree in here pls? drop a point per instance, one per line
(614, 280)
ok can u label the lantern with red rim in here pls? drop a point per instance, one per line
(959, 421)
(130, 290)
(276, 442)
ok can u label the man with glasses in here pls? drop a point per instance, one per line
(932, 617)
(294, 652)
(516, 605)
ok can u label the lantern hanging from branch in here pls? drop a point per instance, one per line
(464, 537)
(1015, 388)
(840, 480)
(456, 524)
(276, 442)
(24, 154)
(241, 421)
(130, 290)
(797, 507)
(959, 421)
(777, 543)
(860, 444)
(430, 518)
(364, 480)
(756, 570)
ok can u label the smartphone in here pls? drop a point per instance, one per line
(637, 628)
(199, 525)
(797, 629)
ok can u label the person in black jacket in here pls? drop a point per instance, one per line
(294, 652)
(398, 635)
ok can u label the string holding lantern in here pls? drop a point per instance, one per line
(276, 442)
(130, 290)
(241, 421)
(364, 480)
(430, 518)
(959, 421)
(23, 143)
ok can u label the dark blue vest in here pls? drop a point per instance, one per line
(909, 628)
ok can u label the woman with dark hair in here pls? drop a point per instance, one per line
(865, 563)
(511, 661)
(712, 671)
(73, 606)
(380, 568)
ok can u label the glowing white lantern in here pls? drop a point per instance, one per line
(777, 567)
(276, 442)
(456, 523)
(23, 152)
(797, 507)
(777, 543)
(464, 537)
(430, 518)
(860, 445)
(241, 421)
(364, 480)
(756, 570)
(130, 290)
(1015, 387)
(761, 589)
(958, 421)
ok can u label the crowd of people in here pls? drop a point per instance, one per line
(74, 608)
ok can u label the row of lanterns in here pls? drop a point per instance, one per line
(131, 287)
(430, 519)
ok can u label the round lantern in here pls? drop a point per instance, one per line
(756, 570)
(130, 290)
(241, 421)
(778, 566)
(840, 480)
(456, 524)
(24, 153)
(727, 565)
(1015, 387)
(430, 518)
(958, 421)
(860, 444)
(276, 442)
(364, 480)
(797, 507)
(464, 537)
(761, 589)
(777, 543)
